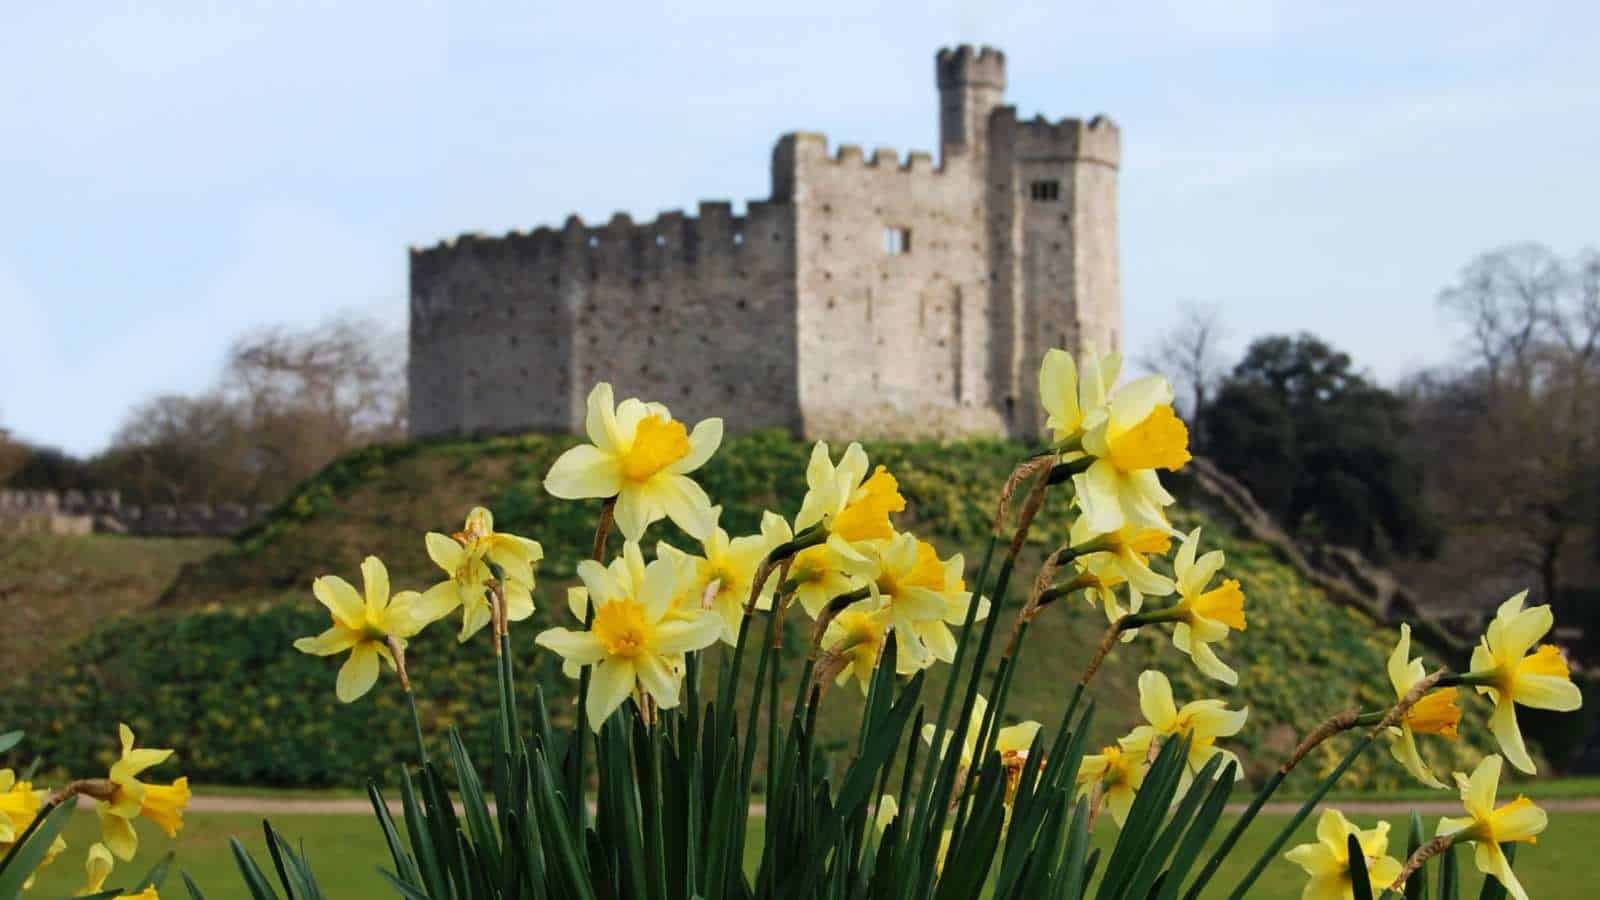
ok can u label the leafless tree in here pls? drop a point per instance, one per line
(1517, 429)
(289, 401)
(1191, 353)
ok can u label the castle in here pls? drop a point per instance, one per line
(865, 296)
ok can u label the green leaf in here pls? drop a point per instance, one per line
(194, 889)
(1449, 876)
(1360, 881)
(10, 739)
(254, 878)
(1200, 832)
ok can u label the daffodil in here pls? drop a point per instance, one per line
(97, 866)
(1071, 397)
(19, 804)
(466, 558)
(851, 505)
(1436, 713)
(1539, 680)
(148, 893)
(1120, 559)
(1119, 772)
(924, 596)
(1487, 827)
(641, 456)
(131, 798)
(1138, 435)
(1204, 615)
(1010, 742)
(855, 638)
(723, 576)
(888, 811)
(364, 625)
(819, 574)
(631, 643)
(1202, 721)
(1328, 860)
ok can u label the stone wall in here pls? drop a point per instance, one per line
(83, 512)
(509, 334)
(892, 341)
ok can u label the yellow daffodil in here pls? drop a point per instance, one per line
(1072, 398)
(1203, 721)
(148, 893)
(466, 558)
(1119, 772)
(97, 868)
(819, 574)
(19, 804)
(1120, 559)
(1008, 742)
(363, 625)
(1204, 615)
(853, 506)
(642, 456)
(132, 798)
(730, 565)
(924, 596)
(632, 643)
(1328, 860)
(1539, 680)
(1487, 827)
(855, 639)
(1138, 435)
(1436, 713)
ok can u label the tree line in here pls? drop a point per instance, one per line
(287, 402)
(1468, 476)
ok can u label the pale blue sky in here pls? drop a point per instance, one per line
(170, 176)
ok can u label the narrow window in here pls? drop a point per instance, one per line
(897, 241)
(1045, 191)
(738, 238)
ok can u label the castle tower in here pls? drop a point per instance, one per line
(971, 84)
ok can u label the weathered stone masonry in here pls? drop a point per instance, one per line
(866, 296)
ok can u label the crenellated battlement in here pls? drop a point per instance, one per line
(874, 291)
(1097, 139)
(968, 65)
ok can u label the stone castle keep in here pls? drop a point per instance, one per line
(866, 296)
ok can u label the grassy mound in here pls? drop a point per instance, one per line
(247, 708)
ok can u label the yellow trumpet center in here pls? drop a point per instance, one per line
(163, 805)
(1161, 441)
(1224, 604)
(1436, 713)
(1546, 660)
(1147, 541)
(657, 443)
(810, 564)
(866, 516)
(621, 627)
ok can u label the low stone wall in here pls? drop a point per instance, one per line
(83, 512)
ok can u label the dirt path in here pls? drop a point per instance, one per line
(268, 806)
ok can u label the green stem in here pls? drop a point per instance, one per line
(416, 727)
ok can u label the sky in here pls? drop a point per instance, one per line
(172, 175)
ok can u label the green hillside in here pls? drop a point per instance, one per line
(211, 670)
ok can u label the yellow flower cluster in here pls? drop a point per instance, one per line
(120, 799)
(863, 580)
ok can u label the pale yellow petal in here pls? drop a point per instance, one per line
(581, 647)
(359, 673)
(375, 580)
(610, 683)
(657, 679)
(703, 442)
(1155, 700)
(600, 419)
(1503, 725)
(341, 599)
(334, 640)
(584, 472)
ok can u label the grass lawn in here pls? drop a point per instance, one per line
(94, 576)
(346, 849)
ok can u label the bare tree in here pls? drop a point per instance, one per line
(1517, 431)
(289, 401)
(13, 453)
(1191, 352)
